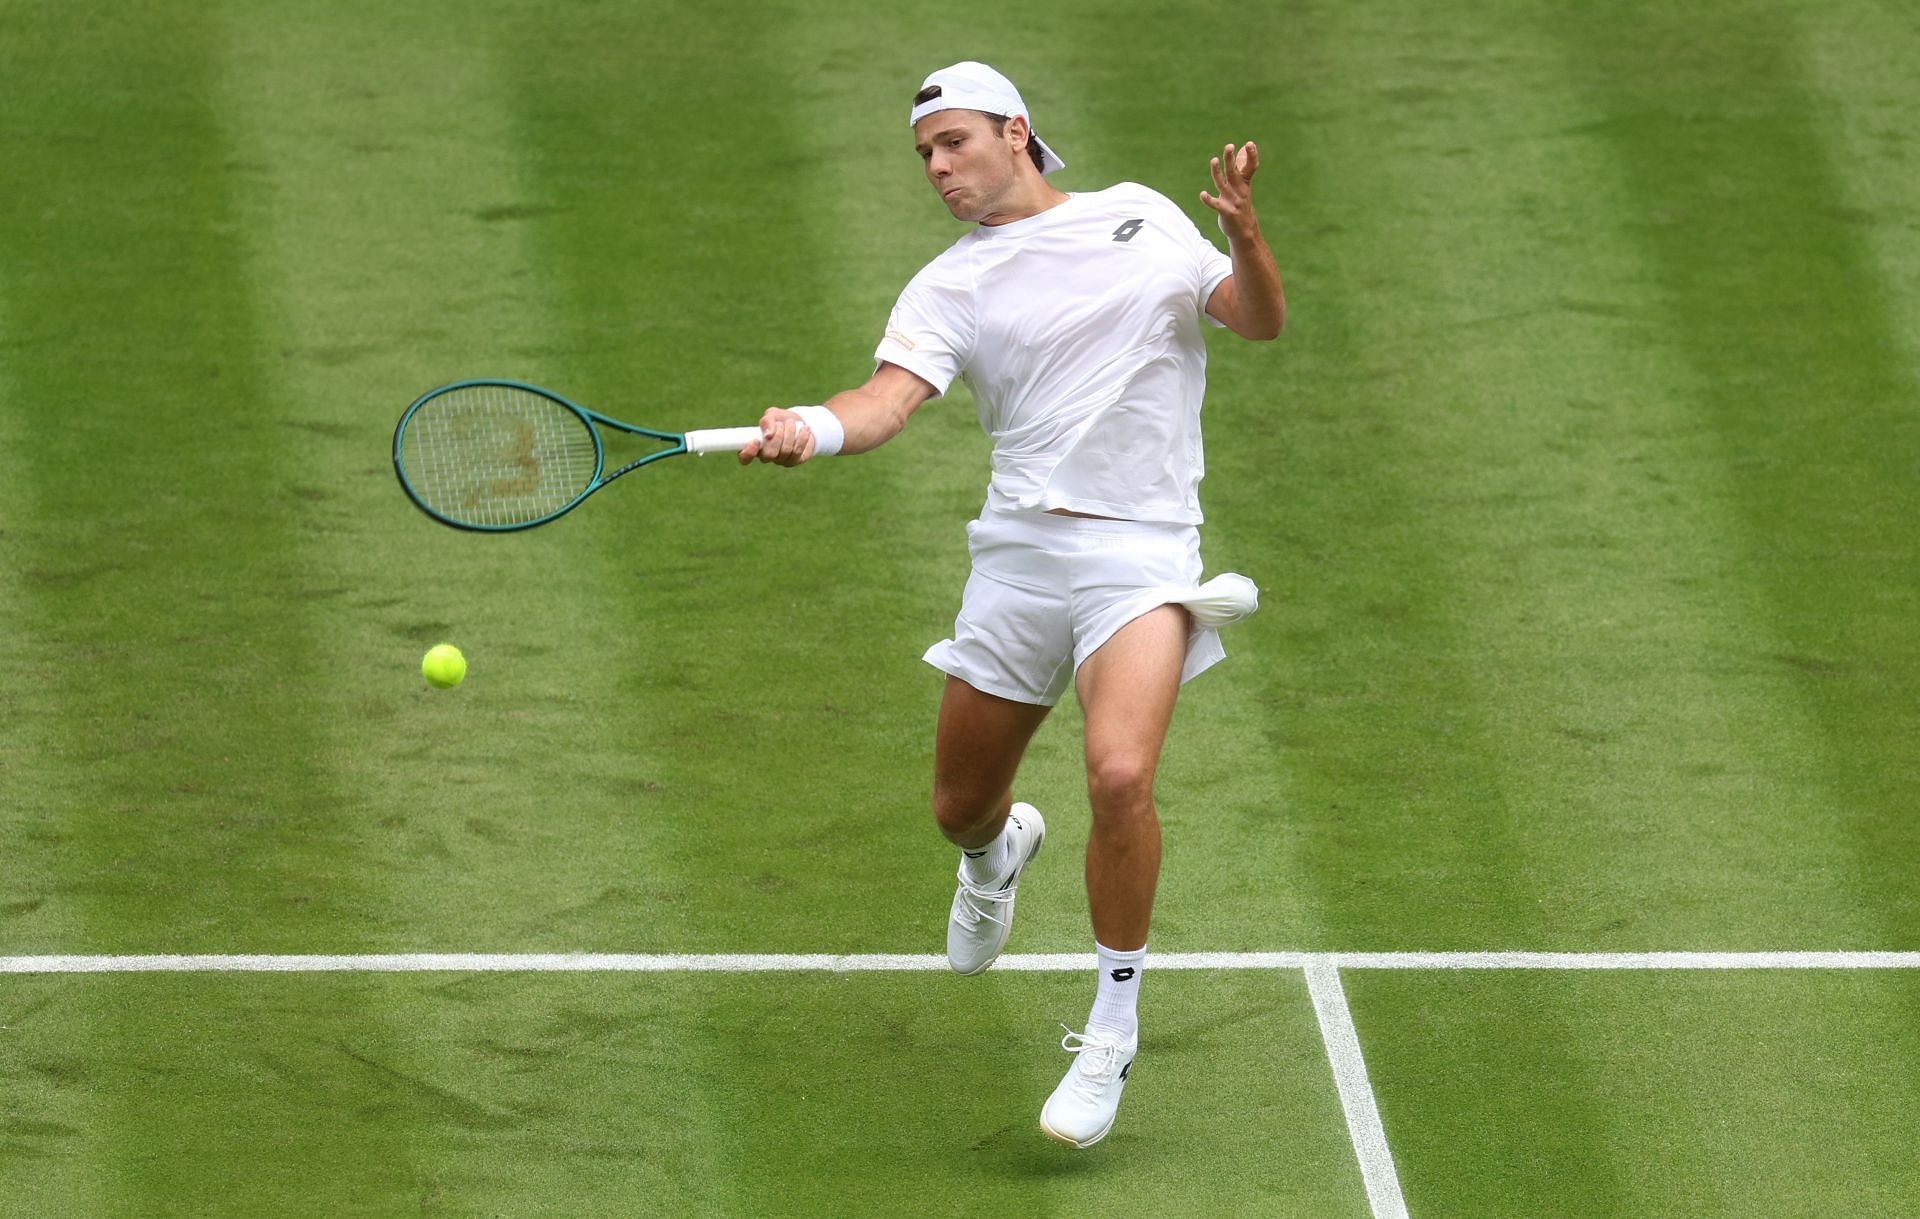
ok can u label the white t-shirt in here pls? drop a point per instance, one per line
(1078, 331)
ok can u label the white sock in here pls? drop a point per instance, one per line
(1115, 1004)
(984, 866)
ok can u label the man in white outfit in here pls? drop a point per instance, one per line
(1076, 321)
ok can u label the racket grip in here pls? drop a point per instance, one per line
(721, 439)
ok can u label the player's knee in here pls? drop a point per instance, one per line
(1120, 784)
(959, 812)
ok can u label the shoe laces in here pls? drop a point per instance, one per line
(971, 898)
(1097, 1066)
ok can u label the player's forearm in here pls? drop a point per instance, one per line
(1260, 303)
(869, 419)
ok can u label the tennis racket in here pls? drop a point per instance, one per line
(496, 456)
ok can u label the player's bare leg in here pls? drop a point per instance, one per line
(1128, 689)
(977, 748)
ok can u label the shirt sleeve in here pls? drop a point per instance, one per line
(931, 330)
(1211, 267)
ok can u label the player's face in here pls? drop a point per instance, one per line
(972, 168)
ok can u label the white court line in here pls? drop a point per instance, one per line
(1356, 1093)
(1626, 960)
(598, 962)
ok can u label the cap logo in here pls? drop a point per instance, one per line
(926, 95)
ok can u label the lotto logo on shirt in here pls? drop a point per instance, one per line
(1127, 231)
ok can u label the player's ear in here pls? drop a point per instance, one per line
(1019, 131)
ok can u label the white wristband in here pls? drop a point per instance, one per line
(828, 435)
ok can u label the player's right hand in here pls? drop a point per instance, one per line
(785, 439)
(1233, 172)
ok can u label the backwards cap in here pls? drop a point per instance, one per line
(974, 86)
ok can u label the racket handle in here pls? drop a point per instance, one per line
(721, 439)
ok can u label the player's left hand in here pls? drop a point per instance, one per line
(785, 439)
(1233, 172)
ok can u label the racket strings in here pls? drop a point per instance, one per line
(495, 455)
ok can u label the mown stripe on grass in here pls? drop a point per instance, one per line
(29, 830)
(679, 260)
(397, 224)
(48, 1121)
(380, 147)
(1588, 528)
(159, 570)
(49, 1132)
(1856, 61)
(1416, 492)
(1767, 290)
(630, 148)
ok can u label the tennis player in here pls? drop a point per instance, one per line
(1076, 320)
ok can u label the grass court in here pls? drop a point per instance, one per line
(1584, 489)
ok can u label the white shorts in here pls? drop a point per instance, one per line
(1047, 591)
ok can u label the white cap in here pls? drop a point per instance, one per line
(974, 86)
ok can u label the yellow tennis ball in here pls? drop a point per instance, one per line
(443, 666)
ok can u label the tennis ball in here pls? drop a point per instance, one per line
(443, 666)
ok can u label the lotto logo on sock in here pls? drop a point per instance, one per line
(1121, 975)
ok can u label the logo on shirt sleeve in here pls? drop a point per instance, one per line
(896, 337)
(1126, 231)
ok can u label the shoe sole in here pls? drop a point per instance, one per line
(1031, 856)
(1057, 1137)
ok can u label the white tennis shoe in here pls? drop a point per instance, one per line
(981, 917)
(1081, 1110)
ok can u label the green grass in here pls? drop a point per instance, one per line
(709, 1096)
(1693, 1094)
(1582, 488)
